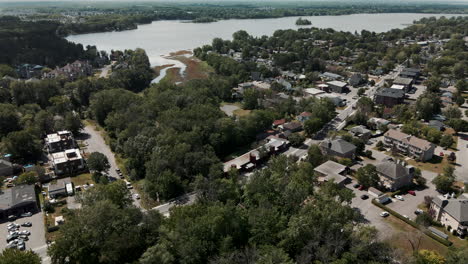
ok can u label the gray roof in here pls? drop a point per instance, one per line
(330, 167)
(360, 130)
(457, 208)
(5, 164)
(392, 169)
(338, 145)
(389, 92)
(404, 81)
(12, 197)
(60, 184)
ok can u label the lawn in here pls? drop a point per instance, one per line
(241, 112)
(407, 233)
(436, 164)
(82, 179)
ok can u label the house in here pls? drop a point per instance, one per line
(6, 167)
(440, 126)
(17, 200)
(60, 141)
(71, 71)
(411, 73)
(304, 116)
(377, 123)
(338, 147)
(337, 86)
(332, 171)
(409, 145)
(278, 122)
(292, 126)
(389, 97)
(394, 174)
(361, 132)
(452, 213)
(60, 188)
(323, 87)
(256, 76)
(356, 79)
(334, 98)
(251, 159)
(406, 82)
(308, 92)
(67, 162)
(330, 76)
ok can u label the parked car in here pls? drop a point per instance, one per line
(384, 214)
(412, 193)
(21, 246)
(441, 154)
(399, 197)
(27, 214)
(24, 237)
(361, 188)
(25, 232)
(11, 237)
(27, 224)
(418, 211)
(364, 196)
(356, 185)
(12, 245)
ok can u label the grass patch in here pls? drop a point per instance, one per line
(82, 179)
(241, 112)
(436, 164)
(145, 201)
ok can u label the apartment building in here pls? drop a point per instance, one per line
(409, 145)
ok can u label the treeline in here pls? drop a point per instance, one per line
(37, 43)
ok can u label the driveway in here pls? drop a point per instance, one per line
(36, 240)
(95, 143)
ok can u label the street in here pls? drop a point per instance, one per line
(96, 143)
(461, 171)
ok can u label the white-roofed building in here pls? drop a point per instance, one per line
(68, 161)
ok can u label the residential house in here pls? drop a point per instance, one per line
(330, 76)
(439, 125)
(6, 168)
(67, 162)
(337, 86)
(71, 71)
(334, 98)
(313, 92)
(17, 200)
(411, 73)
(377, 123)
(394, 174)
(60, 188)
(332, 171)
(278, 122)
(60, 141)
(356, 80)
(406, 82)
(389, 97)
(292, 126)
(338, 147)
(409, 145)
(452, 213)
(304, 116)
(27, 71)
(361, 132)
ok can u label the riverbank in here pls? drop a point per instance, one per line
(194, 68)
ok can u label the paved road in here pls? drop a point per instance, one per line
(462, 158)
(186, 199)
(95, 143)
(105, 71)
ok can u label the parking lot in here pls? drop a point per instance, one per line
(410, 203)
(36, 240)
(370, 212)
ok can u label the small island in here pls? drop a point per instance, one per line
(204, 20)
(303, 22)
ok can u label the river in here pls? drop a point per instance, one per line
(162, 37)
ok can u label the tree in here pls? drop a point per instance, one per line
(98, 162)
(251, 97)
(27, 178)
(380, 146)
(361, 91)
(428, 201)
(368, 176)
(457, 256)
(16, 256)
(433, 84)
(452, 112)
(443, 182)
(23, 145)
(428, 257)
(312, 126)
(72, 122)
(365, 105)
(296, 139)
(315, 156)
(446, 141)
(424, 219)
(417, 176)
(427, 104)
(115, 192)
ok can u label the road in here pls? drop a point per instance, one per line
(105, 71)
(462, 158)
(186, 199)
(96, 143)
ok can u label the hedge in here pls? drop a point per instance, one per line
(413, 224)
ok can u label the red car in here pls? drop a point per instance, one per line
(412, 193)
(361, 187)
(441, 154)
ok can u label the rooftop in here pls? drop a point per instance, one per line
(67, 155)
(330, 167)
(392, 169)
(337, 83)
(404, 81)
(408, 139)
(14, 196)
(457, 208)
(338, 145)
(389, 92)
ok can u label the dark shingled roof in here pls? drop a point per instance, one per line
(457, 208)
(339, 145)
(12, 197)
(389, 92)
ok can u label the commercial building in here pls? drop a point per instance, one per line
(17, 200)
